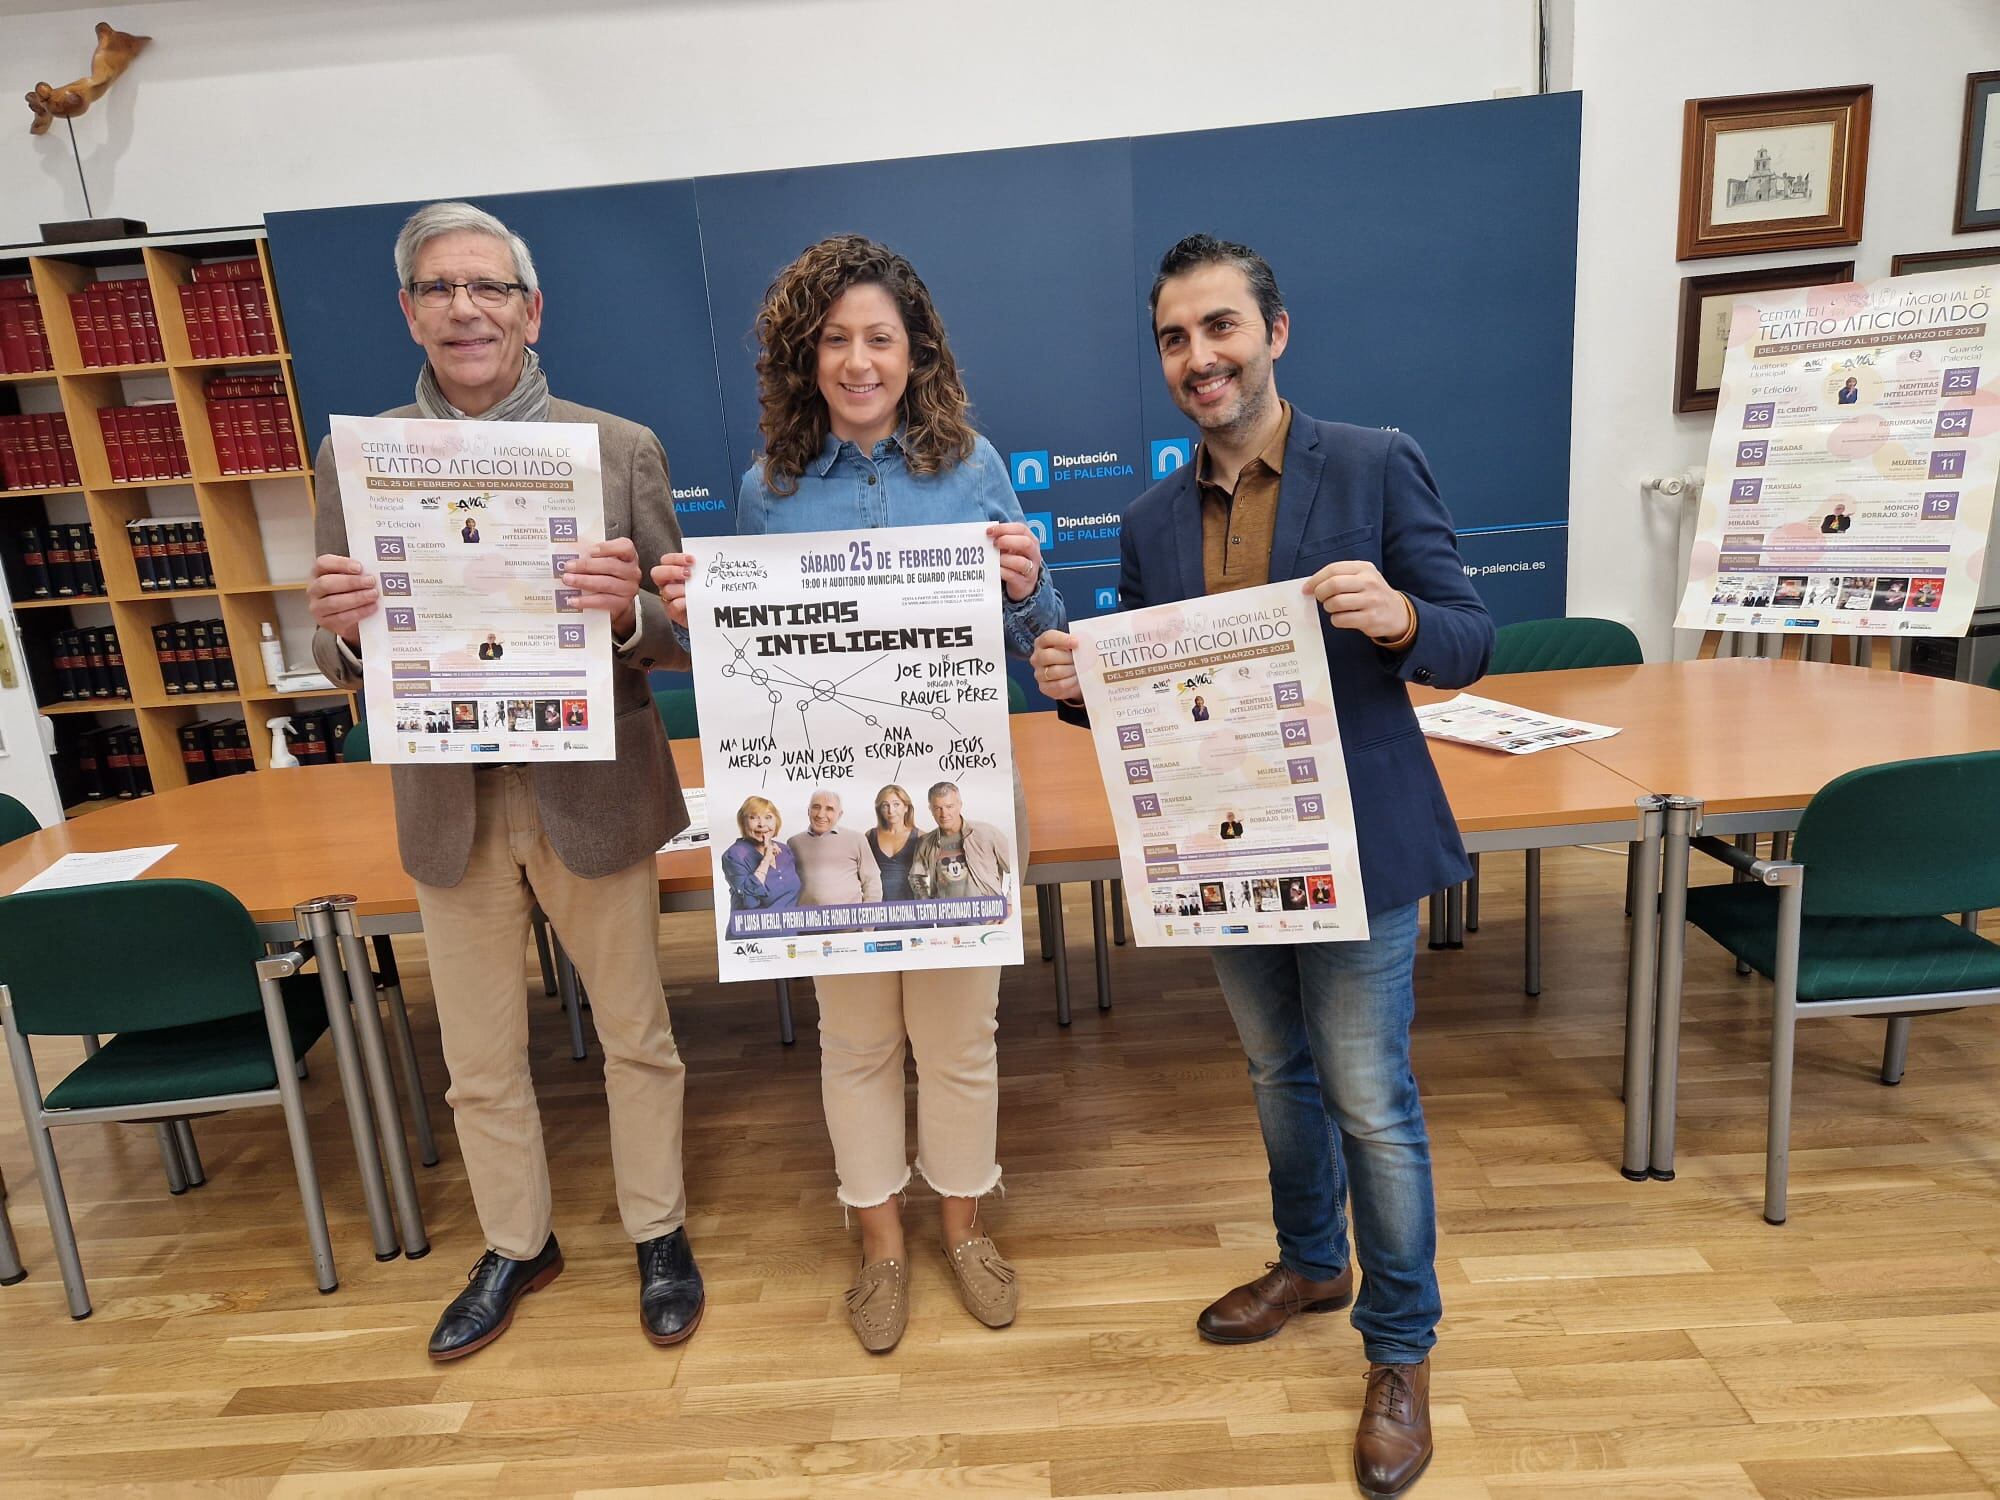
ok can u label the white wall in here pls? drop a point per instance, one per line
(242, 107)
(1636, 64)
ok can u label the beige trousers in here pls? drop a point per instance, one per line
(476, 932)
(949, 1017)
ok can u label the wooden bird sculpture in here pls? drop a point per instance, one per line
(114, 54)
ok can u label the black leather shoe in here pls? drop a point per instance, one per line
(670, 1294)
(480, 1314)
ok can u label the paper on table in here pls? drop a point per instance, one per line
(1468, 720)
(695, 835)
(98, 867)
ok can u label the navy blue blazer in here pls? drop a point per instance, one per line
(1351, 493)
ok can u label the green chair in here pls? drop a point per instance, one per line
(677, 711)
(354, 744)
(1993, 678)
(1548, 646)
(1017, 697)
(206, 1023)
(15, 822)
(1852, 924)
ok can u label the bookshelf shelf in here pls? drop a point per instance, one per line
(228, 406)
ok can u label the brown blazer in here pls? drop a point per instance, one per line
(600, 816)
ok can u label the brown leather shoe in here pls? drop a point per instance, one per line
(1258, 1310)
(1392, 1446)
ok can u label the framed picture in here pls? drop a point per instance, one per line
(1773, 171)
(1707, 303)
(1979, 156)
(1944, 260)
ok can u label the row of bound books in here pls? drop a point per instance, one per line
(228, 318)
(252, 423)
(215, 747)
(111, 762)
(116, 324)
(24, 342)
(170, 554)
(87, 663)
(144, 442)
(194, 657)
(316, 737)
(35, 453)
(59, 562)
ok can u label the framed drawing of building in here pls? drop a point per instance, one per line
(1773, 171)
(1706, 305)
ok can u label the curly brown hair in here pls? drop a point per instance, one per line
(937, 431)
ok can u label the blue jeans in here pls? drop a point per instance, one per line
(1327, 1030)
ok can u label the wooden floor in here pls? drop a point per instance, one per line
(1601, 1339)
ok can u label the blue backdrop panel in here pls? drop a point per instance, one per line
(626, 328)
(1428, 258)
(1519, 573)
(1028, 256)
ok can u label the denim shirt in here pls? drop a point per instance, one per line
(845, 489)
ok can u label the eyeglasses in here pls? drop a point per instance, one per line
(483, 293)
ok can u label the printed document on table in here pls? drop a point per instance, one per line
(98, 867)
(478, 653)
(1215, 732)
(1469, 720)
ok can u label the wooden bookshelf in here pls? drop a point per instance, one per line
(245, 596)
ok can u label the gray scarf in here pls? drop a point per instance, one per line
(527, 402)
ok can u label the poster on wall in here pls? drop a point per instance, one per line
(1215, 732)
(478, 654)
(855, 749)
(1853, 461)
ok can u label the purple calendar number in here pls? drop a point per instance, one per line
(1760, 414)
(1949, 464)
(562, 528)
(559, 564)
(1746, 491)
(1295, 731)
(389, 549)
(1954, 423)
(1287, 694)
(1311, 808)
(401, 619)
(1138, 770)
(569, 637)
(1940, 505)
(396, 585)
(566, 601)
(1131, 736)
(1146, 805)
(1960, 382)
(1302, 768)
(1751, 454)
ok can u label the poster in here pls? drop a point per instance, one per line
(1215, 733)
(855, 751)
(478, 653)
(1489, 724)
(1852, 464)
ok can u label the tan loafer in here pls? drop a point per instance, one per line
(986, 1282)
(878, 1305)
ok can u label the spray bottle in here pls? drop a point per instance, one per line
(281, 751)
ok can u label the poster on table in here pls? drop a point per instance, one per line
(1852, 464)
(1215, 733)
(478, 653)
(854, 742)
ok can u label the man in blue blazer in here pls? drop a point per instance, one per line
(1352, 512)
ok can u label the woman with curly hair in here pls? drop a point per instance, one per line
(865, 424)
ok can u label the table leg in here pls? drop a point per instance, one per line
(1098, 946)
(1681, 816)
(1437, 919)
(1472, 897)
(1045, 925)
(1118, 912)
(1059, 945)
(1531, 980)
(1641, 986)
(786, 1036)
(1454, 916)
(381, 1078)
(315, 923)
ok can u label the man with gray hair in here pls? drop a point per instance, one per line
(836, 867)
(577, 837)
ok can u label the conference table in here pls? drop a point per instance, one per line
(281, 841)
(1726, 748)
